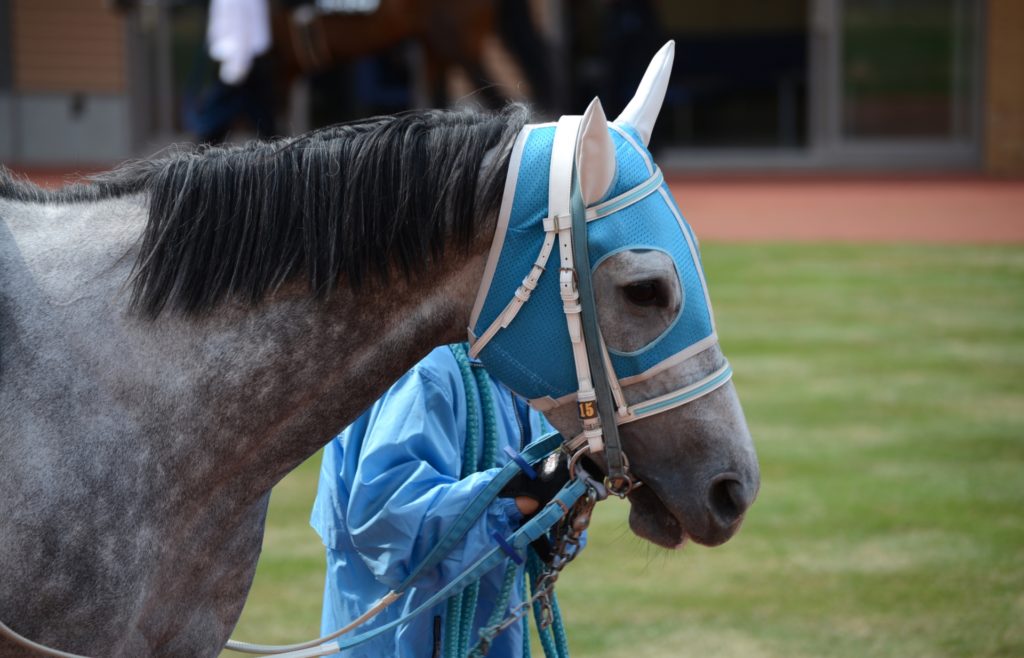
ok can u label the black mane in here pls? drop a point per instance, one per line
(347, 203)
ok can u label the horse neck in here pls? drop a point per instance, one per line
(252, 390)
(274, 384)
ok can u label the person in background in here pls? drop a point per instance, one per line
(238, 40)
(394, 481)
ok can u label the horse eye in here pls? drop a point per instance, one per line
(645, 293)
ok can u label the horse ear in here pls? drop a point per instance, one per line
(596, 153)
(642, 111)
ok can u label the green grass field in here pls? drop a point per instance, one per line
(884, 386)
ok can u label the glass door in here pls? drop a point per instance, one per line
(903, 84)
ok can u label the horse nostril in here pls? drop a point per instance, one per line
(727, 499)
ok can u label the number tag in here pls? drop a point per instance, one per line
(588, 410)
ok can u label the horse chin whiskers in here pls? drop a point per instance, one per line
(651, 519)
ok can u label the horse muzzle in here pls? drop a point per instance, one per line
(709, 514)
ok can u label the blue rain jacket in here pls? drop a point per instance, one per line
(389, 488)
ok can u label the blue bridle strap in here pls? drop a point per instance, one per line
(519, 541)
(533, 453)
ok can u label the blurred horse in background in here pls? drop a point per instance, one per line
(453, 34)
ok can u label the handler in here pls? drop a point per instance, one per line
(393, 482)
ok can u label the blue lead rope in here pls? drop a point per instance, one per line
(520, 541)
(533, 453)
(460, 611)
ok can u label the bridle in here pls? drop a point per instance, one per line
(600, 431)
(601, 404)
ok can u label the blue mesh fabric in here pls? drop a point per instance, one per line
(533, 356)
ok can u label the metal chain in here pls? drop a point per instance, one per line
(568, 535)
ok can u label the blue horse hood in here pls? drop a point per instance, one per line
(533, 354)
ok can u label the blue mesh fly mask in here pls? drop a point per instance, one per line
(511, 324)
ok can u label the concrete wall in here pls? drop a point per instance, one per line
(6, 126)
(79, 128)
(6, 83)
(1004, 106)
(58, 129)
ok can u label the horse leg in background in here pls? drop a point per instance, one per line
(435, 80)
(455, 36)
(469, 52)
(435, 77)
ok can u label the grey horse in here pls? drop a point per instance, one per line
(179, 334)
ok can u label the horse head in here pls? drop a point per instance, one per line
(683, 433)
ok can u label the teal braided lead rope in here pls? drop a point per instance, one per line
(461, 610)
(491, 628)
(527, 649)
(558, 628)
(553, 639)
(470, 597)
(463, 605)
(547, 643)
(483, 387)
(470, 384)
(452, 621)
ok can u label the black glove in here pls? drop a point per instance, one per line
(552, 474)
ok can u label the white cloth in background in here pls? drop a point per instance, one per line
(237, 32)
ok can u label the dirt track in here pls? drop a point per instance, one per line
(925, 210)
(944, 210)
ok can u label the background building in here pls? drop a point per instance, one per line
(758, 84)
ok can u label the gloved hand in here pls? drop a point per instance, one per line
(552, 474)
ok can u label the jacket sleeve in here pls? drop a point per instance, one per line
(407, 491)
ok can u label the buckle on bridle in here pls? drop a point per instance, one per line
(619, 486)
